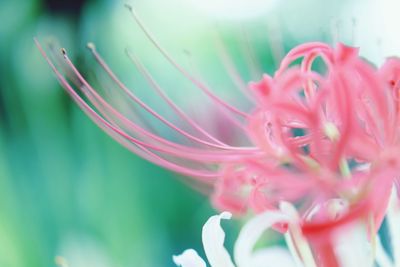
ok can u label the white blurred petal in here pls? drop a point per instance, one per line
(251, 232)
(213, 241)
(272, 257)
(189, 258)
(301, 252)
(352, 247)
(382, 257)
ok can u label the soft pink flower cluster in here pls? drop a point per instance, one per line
(325, 137)
(328, 138)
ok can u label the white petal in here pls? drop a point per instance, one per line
(251, 232)
(288, 209)
(296, 242)
(303, 247)
(213, 241)
(382, 258)
(189, 258)
(352, 246)
(272, 257)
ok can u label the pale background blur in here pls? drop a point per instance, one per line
(68, 189)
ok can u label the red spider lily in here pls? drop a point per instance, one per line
(325, 139)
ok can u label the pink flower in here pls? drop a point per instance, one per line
(325, 138)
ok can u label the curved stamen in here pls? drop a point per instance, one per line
(113, 111)
(195, 81)
(133, 97)
(167, 147)
(231, 68)
(177, 110)
(119, 134)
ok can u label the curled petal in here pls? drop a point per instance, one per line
(251, 232)
(213, 241)
(345, 53)
(262, 89)
(189, 258)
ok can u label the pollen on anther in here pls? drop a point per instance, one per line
(61, 261)
(128, 6)
(91, 46)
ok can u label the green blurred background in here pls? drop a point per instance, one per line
(68, 189)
